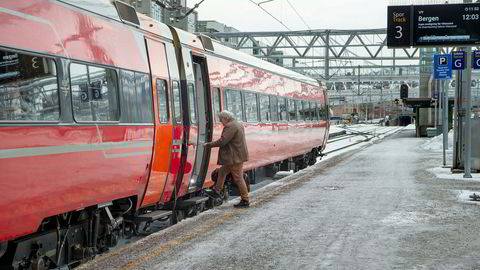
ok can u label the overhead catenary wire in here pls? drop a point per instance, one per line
(270, 14)
(298, 14)
(279, 21)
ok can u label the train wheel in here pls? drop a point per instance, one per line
(201, 207)
(192, 211)
(210, 203)
(180, 215)
(312, 157)
(177, 216)
(301, 162)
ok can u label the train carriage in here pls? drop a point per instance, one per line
(103, 117)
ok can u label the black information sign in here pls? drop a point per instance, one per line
(398, 26)
(448, 24)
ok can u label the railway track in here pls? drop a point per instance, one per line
(355, 136)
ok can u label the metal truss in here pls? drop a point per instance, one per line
(330, 55)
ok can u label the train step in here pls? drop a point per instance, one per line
(152, 216)
(182, 205)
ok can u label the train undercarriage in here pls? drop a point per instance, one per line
(69, 239)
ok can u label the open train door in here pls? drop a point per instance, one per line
(205, 122)
(196, 117)
(199, 126)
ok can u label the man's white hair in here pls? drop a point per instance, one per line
(226, 115)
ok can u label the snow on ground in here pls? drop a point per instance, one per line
(410, 127)
(381, 132)
(445, 173)
(335, 128)
(464, 196)
(436, 143)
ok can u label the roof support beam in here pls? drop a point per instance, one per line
(328, 53)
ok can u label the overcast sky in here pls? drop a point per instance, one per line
(318, 14)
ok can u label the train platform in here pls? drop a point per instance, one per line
(384, 204)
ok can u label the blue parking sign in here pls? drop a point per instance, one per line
(442, 66)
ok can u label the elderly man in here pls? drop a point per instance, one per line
(233, 152)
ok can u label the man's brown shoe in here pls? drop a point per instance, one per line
(242, 204)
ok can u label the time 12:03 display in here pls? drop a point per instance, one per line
(470, 17)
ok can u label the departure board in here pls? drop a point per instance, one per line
(433, 25)
(449, 24)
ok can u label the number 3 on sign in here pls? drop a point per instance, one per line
(399, 32)
(35, 62)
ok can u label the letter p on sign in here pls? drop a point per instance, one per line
(442, 61)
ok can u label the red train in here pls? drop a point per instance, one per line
(103, 113)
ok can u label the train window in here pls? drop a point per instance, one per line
(304, 111)
(317, 111)
(177, 105)
(192, 103)
(292, 111)
(264, 108)
(129, 100)
(311, 113)
(274, 108)
(162, 97)
(322, 111)
(216, 103)
(298, 109)
(283, 107)
(28, 88)
(234, 103)
(144, 97)
(94, 93)
(251, 107)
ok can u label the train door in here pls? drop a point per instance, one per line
(163, 128)
(193, 122)
(176, 145)
(199, 119)
(204, 123)
(189, 108)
